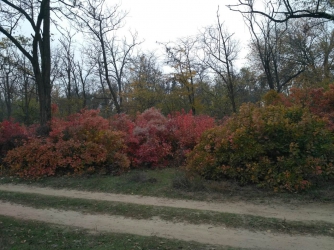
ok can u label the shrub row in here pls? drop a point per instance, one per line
(87, 143)
(283, 143)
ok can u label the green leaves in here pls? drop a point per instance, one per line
(277, 147)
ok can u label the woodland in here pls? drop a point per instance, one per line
(105, 106)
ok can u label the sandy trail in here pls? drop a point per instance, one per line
(313, 211)
(203, 233)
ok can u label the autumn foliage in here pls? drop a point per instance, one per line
(274, 146)
(154, 140)
(11, 135)
(87, 143)
(318, 100)
(283, 143)
(186, 131)
(83, 143)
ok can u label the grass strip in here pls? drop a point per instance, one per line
(250, 222)
(27, 235)
(172, 183)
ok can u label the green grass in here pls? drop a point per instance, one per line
(135, 211)
(156, 183)
(172, 183)
(27, 235)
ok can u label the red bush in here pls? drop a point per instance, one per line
(123, 123)
(82, 143)
(187, 128)
(78, 126)
(151, 133)
(11, 135)
(86, 142)
(186, 131)
(154, 140)
(34, 159)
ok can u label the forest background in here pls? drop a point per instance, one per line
(106, 105)
(205, 72)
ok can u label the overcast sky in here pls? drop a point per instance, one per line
(167, 20)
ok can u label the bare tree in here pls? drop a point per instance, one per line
(66, 55)
(84, 73)
(36, 14)
(280, 11)
(97, 19)
(8, 80)
(120, 53)
(271, 52)
(67, 75)
(220, 53)
(16, 79)
(312, 44)
(94, 61)
(27, 93)
(322, 51)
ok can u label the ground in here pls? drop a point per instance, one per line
(203, 233)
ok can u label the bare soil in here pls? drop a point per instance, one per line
(203, 233)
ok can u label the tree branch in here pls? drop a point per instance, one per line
(16, 42)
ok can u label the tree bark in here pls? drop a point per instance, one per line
(40, 57)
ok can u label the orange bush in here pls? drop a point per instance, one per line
(82, 143)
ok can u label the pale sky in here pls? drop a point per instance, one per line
(167, 20)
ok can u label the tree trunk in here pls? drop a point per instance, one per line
(43, 78)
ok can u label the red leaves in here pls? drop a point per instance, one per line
(319, 101)
(155, 140)
(11, 135)
(152, 137)
(75, 145)
(187, 129)
(85, 142)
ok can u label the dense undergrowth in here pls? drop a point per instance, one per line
(283, 143)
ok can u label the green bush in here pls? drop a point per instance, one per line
(277, 147)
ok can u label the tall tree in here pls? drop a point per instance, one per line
(8, 78)
(98, 20)
(220, 53)
(16, 80)
(68, 76)
(312, 43)
(37, 15)
(271, 52)
(84, 72)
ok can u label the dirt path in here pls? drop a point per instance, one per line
(318, 212)
(203, 233)
(199, 233)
